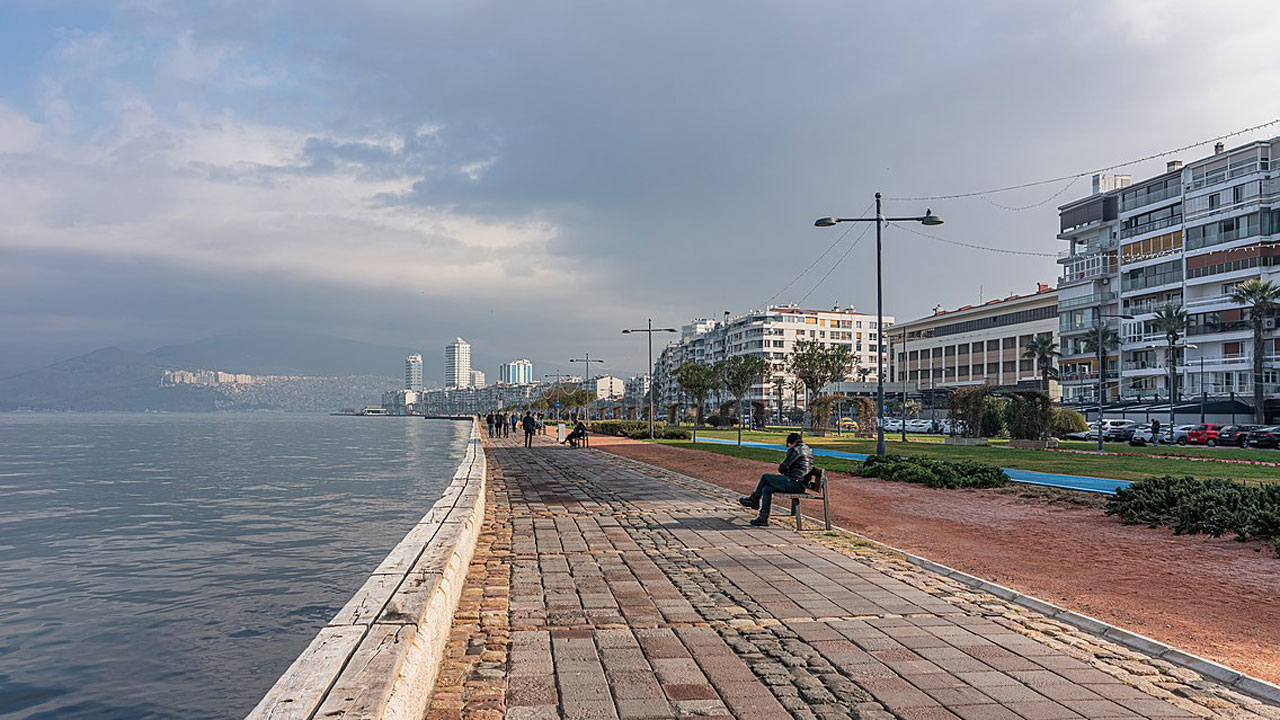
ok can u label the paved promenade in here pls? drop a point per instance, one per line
(604, 588)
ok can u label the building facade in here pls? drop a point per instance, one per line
(413, 373)
(477, 379)
(638, 389)
(976, 345)
(516, 372)
(1185, 238)
(772, 334)
(606, 387)
(457, 364)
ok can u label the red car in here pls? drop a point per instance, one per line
(1203, 435)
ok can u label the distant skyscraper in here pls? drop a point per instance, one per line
(477, 379)
(516, 372)
(457, 364)
(413, 373)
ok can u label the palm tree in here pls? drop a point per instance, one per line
(1110, 341)
(1042, 349)
(1172, 321)
(1260, 297)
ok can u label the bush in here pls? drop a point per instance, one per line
(934, 473)
(1201, 507)
(620, 428)
(1067, 421)
(1029, 416)
(718, 420)
(660, 432)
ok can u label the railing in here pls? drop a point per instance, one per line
(1155, 225)
(1220, 327)
(1192, 365)
(1157, 196)
(1148, 306)
(1144, 337)
(1085, 271)
(1207, 301)
(1088, 301)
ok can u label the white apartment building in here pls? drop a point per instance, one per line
(516, 372)
(771, 334)
(413, 373)
(976, 344)
(457, 364)
(477, 379)
(1185, 237)
(638, 389)
(606, 387)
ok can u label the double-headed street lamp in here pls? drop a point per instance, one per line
(587, 359)
(1102, 367)
(927, 219)
(650, 330)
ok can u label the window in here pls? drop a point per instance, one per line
(1215, 201)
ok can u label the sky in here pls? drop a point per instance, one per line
(535, 177)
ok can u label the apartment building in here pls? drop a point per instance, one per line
(771, 334)
(1185, 238)
(976, 344)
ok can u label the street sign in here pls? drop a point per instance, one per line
(557, 404)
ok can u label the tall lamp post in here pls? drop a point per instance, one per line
(927, 219)
(649, 330)
(1102, 367)
(587, 359)
(557, 375)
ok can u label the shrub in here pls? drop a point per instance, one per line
(1067, 421)
(969, 408)
(934, 473)
(620, 428)
(1029, 416)
(719, 420)
(1201, 507)
(660, 432)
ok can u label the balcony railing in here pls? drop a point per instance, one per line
(1156, 225)
(1137, 202)
(1207, 301)
(1148, 306)
(1093, 300)
(1219, 327)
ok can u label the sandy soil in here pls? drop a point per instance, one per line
(1216, 598)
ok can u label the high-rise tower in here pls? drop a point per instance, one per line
(457, 364)
(413, 373)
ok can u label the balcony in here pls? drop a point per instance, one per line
(1231, 362)
(1094, 300)
(1151, 226)
(1205, 302)
(1219, 327)
(1165, 194)
(1148, 306)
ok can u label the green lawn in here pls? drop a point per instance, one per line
(1118, 467)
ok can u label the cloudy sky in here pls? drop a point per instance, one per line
(534, 176)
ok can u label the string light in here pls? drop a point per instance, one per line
(865, 230)
(1050, 181)
(1032, 205)
(1006, 251)
(813, 264)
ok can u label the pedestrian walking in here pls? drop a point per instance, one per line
(507, 423)
(488, 421)
(515, 420)
(530, 427)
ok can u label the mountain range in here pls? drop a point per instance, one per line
(117, 379)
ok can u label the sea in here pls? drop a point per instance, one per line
(174, 565)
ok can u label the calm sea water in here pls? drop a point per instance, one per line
(172, 566)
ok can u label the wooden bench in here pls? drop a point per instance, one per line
(821, 476)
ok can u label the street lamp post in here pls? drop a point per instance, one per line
(649, 330)
(557, 375)
(927, 219)
(587, 359)
(906, 358)
(1102, 366)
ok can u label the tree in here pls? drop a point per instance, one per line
(1042, 349)
(1110, 341)
(968, 408)
(1172, 321)
(816, 365)
(698, 380)
(738, 374)
(1030, 415)
(1260, 297)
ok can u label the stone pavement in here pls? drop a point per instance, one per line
(606, 588)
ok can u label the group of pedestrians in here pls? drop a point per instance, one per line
(502, 424)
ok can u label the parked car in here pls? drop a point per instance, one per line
(918, 426)
(1143, 435)
(848, 424)
(892, 424)
(1204, 435)
(1112, 430)
(1235, 434)
(1176, 435)
(1264, 437)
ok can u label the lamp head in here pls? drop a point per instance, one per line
(930, 219)
(824, 222)
(626, 332)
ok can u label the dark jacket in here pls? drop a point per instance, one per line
(798, 462)
(529, 424)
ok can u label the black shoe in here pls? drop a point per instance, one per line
(749, 502)
(760, 522)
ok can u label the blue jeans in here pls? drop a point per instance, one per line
(771, 483)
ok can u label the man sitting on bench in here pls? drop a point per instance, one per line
(578, 435)
(792, 478)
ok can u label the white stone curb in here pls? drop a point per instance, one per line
(380, 655)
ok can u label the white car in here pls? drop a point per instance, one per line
(1177, 435)
(918, 426)
(1143, 435)
(892, 424)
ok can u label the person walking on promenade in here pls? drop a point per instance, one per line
(515, 420)
(499, 422)
(792, 471)
(506, 423)
(530, 427)
(488, 421)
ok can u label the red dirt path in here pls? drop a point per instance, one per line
(1216, 598)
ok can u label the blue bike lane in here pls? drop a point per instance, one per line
(1029, 477)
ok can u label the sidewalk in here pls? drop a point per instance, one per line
(604, 588)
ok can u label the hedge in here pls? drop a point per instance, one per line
(934, 473)
(637, 430)
(1196, 506)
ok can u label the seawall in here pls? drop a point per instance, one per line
(379, 656)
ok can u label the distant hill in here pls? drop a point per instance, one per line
(106, 379)
(286, 354)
